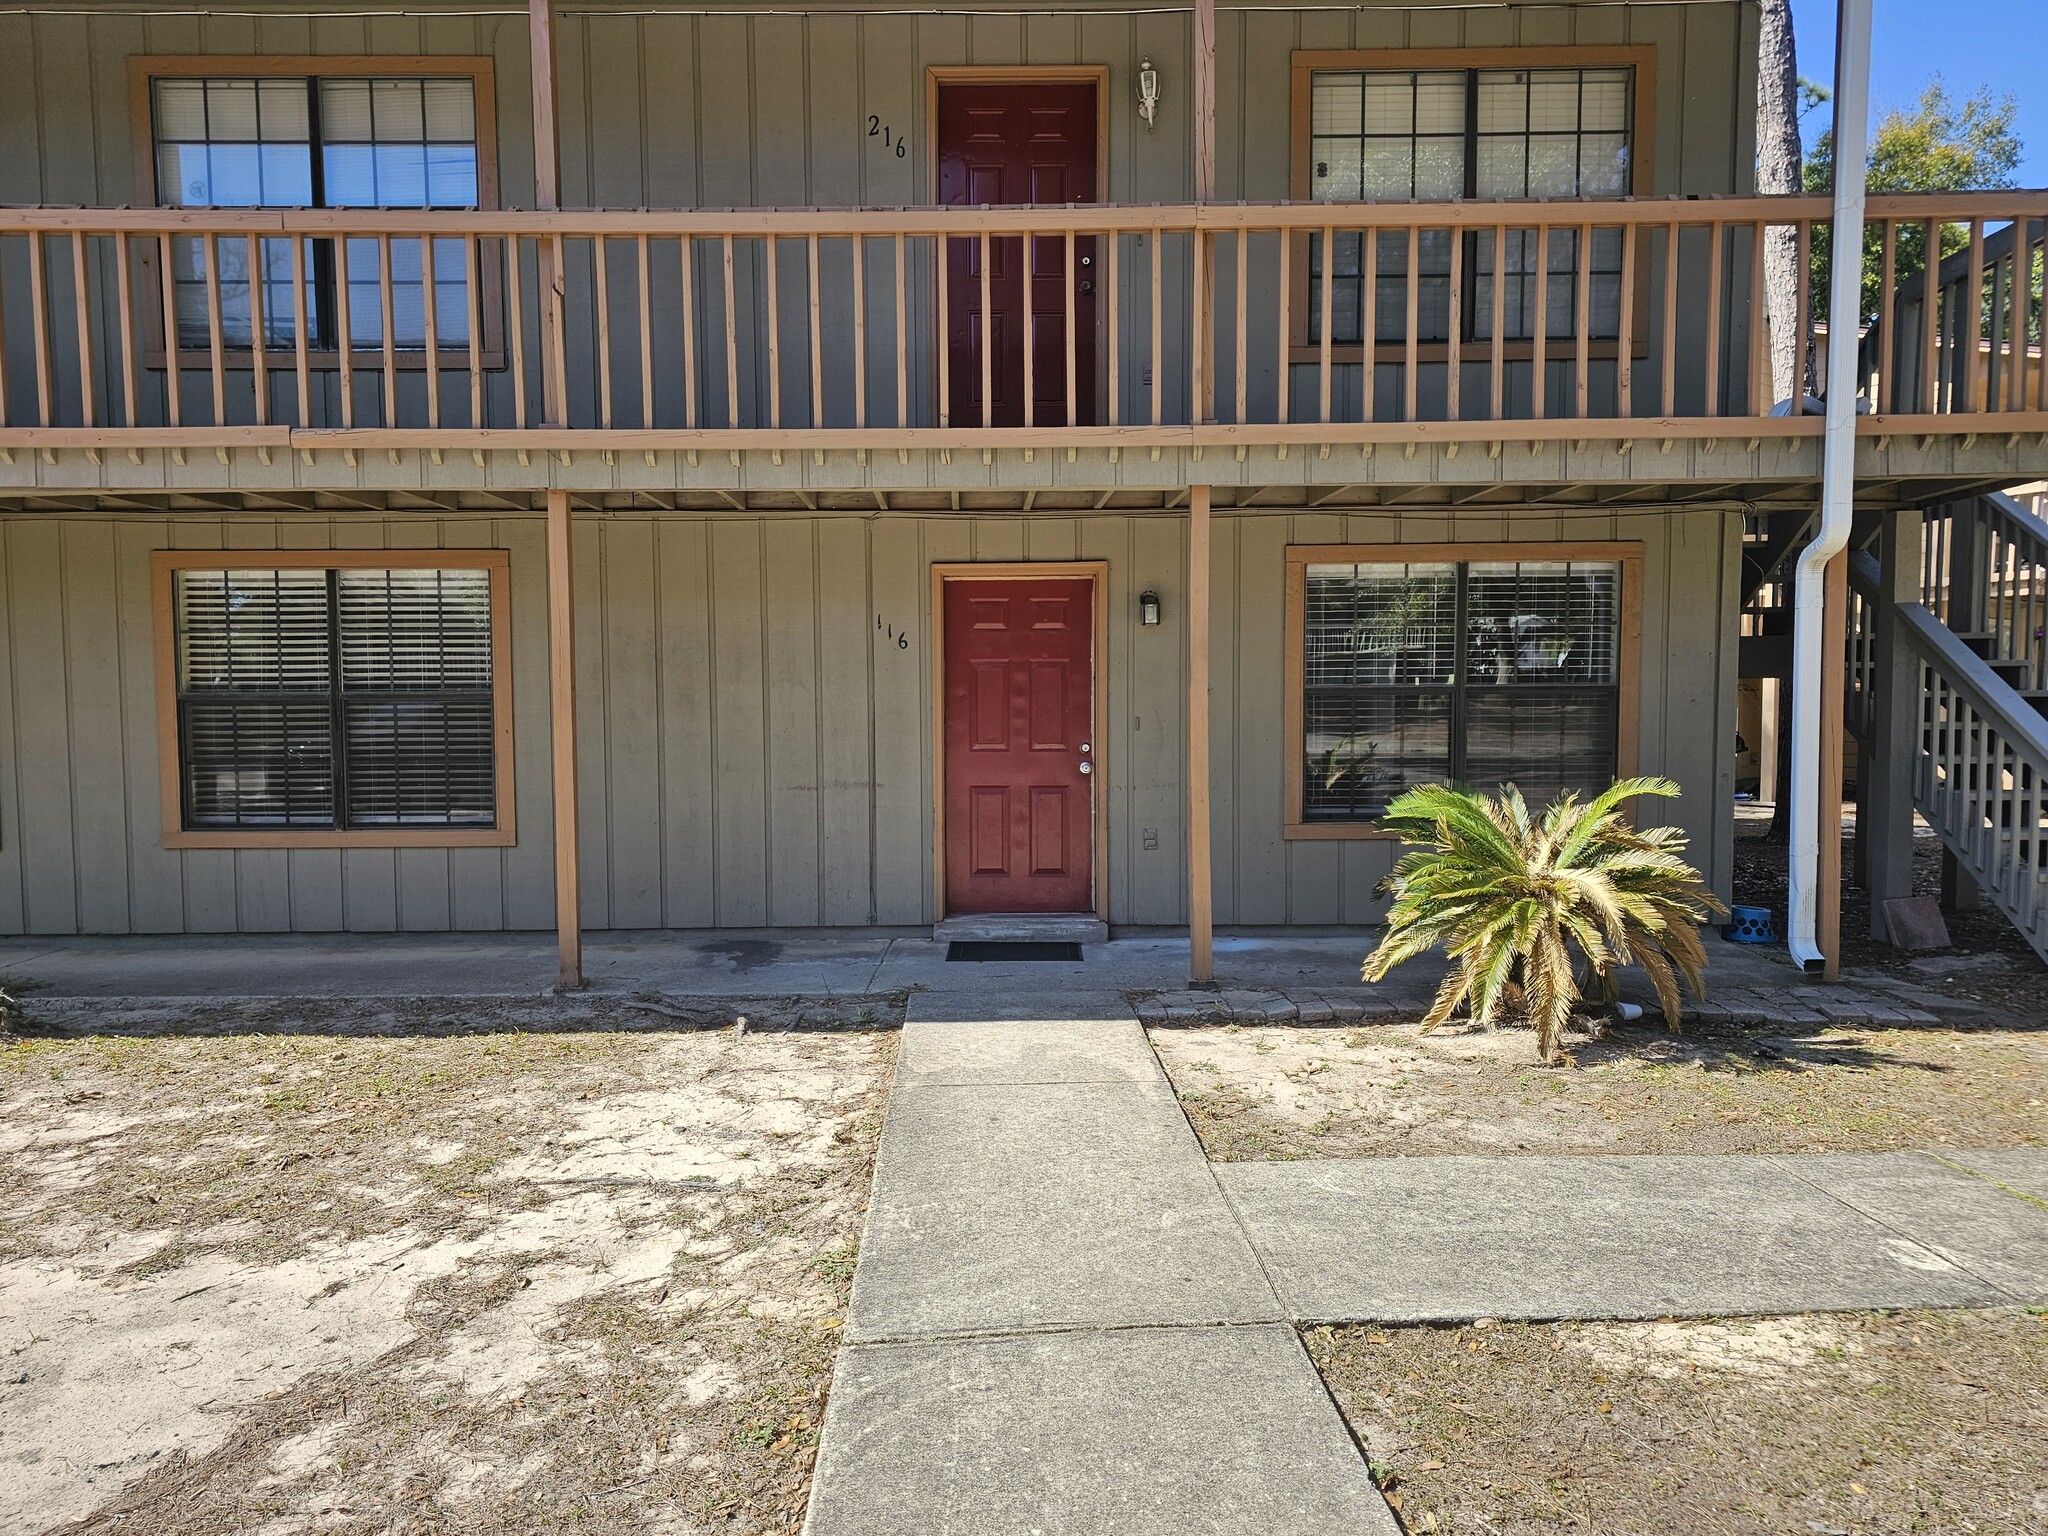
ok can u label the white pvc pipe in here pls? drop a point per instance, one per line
(1838, 473)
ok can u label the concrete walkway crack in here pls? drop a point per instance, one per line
(1938, 1254)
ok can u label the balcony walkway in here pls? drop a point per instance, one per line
(720, 357)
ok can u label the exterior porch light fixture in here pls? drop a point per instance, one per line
(1148, 109)
(1148, 608)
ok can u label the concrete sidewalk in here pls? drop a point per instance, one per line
(1271, 975)
(1057, 1324)
(1450, 1239)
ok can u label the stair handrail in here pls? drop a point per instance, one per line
(1936, 644)
(1975, 733)
(2028, 525)
(1984, 571)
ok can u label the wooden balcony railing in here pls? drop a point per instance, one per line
(1217, 322)
(1936, 349)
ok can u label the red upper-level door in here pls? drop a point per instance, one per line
(1019, 755)
(1019, 143)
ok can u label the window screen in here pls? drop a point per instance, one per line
(1479, 674)
(407, 142)
(1436, 135)
(335, 699)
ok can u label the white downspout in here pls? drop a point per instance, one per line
(1838, 472)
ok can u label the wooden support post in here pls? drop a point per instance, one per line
(1202, 252)
(1769, 784)
(1202, 101)
(562, 718)
(1201, 918)
(1834, 666)
(1968, 586)
(547, 139)
(547, 195)
(1884, 775)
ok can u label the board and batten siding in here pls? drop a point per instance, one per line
(754, 702)
(753, 110)
(720, 111)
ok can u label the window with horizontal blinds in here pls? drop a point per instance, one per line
(344, 699)
(1482, 673)
(1436, 135)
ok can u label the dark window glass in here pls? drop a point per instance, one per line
(330, 699)
(407, 142)
(1497, 134)
(1481, 674)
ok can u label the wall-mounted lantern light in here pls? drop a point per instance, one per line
(1148, 106)
(1148, 607)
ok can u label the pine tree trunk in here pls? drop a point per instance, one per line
(1778, 171)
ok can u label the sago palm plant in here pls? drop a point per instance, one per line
(1509, 896)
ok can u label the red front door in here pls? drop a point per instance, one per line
(1018, 143)
(1019, 750)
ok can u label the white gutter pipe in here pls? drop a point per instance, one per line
(1838, 474)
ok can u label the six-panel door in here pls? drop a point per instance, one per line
(1019, 707)
(1014, 143)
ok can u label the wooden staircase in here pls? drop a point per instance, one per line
(1976, 643)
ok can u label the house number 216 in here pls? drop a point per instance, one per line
(877, 129)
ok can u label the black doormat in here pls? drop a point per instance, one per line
(1019, 949)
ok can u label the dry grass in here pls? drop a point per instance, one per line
(480, 1282)
(1927, 1422)
(1284, 1091)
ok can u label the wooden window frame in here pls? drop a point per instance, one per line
(144, 69)
(1641, 58)
(1628, 672)
(497, 562)
(1093, 571)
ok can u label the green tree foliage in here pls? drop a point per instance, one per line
(1938, 145)
(1510, 896)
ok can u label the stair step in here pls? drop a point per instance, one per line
(1022, 928)
(1977, 641)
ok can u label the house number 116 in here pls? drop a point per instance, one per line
(877, 129)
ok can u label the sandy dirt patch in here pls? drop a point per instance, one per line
(1909, 1422)
(1380, 1090)
(473, 1282)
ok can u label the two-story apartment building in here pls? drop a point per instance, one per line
(843, 464)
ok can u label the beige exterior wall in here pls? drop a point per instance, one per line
(755, 743)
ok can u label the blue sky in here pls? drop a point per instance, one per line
(1999, 43)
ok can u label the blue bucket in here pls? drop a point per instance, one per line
(1750, 925)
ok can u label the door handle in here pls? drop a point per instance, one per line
(1087, 285)
(1087, 767)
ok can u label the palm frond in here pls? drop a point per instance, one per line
(1508, 896)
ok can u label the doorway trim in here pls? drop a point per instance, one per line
(936, 75)
(1096, 572)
